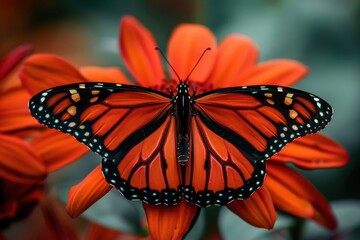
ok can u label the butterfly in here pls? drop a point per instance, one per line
(209, 148)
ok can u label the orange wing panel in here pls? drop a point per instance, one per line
(230, 100)
(136, 119)
(125, 99)
(232, 120)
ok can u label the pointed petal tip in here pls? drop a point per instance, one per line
(137, 47)
(87, 192)
(258, 210)
(293, 193)
(313, 151)
(184, 50)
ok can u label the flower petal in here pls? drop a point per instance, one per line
(87, 192)
(258, 210)
(14, 112)
(43, 71)
(18, 161)
(281, 72)
(137, 46)
(294, 194)
(187, 43)
(102, 74)
(58, 149)
(12, 59)
(312, 152)
(236, 54)
(170, 222)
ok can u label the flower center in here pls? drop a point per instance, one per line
(170, 86)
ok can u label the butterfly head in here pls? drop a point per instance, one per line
(182, 88)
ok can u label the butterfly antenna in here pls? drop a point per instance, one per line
(163, 55)
(208, 49)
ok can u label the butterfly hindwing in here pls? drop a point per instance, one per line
(218, 172)
(149, 171)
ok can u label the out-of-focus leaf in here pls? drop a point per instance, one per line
(348, 215)
(113, 210)
(233, 227)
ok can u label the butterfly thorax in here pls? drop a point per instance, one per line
(182, 103)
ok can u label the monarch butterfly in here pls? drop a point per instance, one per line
(209, 148)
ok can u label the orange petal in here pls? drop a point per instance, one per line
(294, 194)
(312, 152)
(102, 74)
(12, 59)
(187, 43)
(236, 54)
(258, 210)
(87, 192)
(170, 222)
(14, 111)
(281, 72)
(18, 161)
(137, 46)
(58, 149)
(43, 71)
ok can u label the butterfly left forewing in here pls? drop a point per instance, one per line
(96, 113)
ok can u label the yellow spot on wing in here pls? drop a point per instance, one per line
(71, 110)
(75, 97)
(95, 92)
(94, 99)
(268, 94)
(293, 114)
(288, 101)
(270, 101)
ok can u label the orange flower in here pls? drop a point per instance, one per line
(232, 62)
(21, 170)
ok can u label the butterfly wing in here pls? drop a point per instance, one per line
(235, 130)
(129, 126)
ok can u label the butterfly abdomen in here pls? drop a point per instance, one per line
(183, 150)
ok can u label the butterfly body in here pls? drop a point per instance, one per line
(183, 105)
(208, 148)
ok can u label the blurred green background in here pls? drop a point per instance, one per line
(322, 34)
